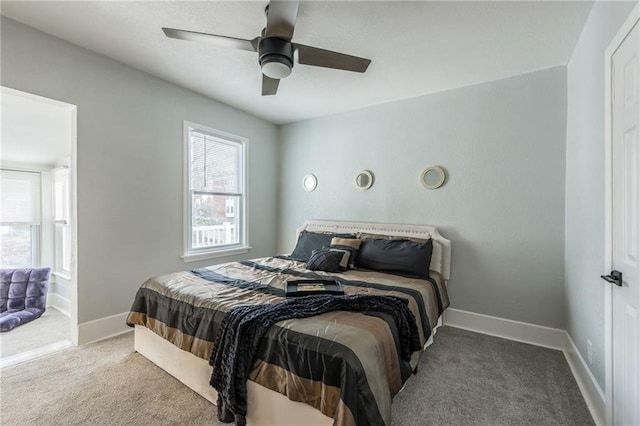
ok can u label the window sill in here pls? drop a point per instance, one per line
(62, 275)
(194, 257)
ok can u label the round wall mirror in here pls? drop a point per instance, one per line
(309, 182)
(364, 180)
(432, 177)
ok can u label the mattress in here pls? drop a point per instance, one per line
(344, 364)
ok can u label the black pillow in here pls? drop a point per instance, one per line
(402, 257)
(325, 260)
(310, 241)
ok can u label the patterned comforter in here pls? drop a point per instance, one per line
(345, 364)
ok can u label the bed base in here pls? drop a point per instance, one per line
(266, 407)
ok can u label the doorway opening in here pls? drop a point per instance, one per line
(622, 229)
(37, 226)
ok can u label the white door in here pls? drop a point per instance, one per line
(626, 231)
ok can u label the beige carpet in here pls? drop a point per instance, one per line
(52, 327)
(464, 378)
(105, 383)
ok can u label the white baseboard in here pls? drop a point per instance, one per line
(538, 335)
(35, 353)
(59, 302)
(591, 390)
(103, 328)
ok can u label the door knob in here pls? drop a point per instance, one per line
(614, 278)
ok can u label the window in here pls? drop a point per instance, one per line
(61, 221)
(215, 197)
(19, 219)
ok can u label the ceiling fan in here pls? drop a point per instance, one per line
(276, 52)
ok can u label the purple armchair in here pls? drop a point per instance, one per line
(23, 296)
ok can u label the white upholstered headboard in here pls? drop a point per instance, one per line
(440, 259)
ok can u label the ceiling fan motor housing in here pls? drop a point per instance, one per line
(275, 56)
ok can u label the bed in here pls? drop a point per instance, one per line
(335, 368)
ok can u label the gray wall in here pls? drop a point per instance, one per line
(503, 145)
(584, 250)
(130, 163)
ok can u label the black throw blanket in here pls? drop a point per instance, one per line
(242, 329)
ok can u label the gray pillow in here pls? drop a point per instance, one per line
(400, 256)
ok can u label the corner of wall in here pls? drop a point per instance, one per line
(279, 178)
(103, 328)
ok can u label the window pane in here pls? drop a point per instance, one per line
(215, 220)
(61, 194)
(215, 165)
(63, 247)
(20, 197)
(215, 188)
(66, 248)
(16, 249)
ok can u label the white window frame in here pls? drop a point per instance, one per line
(62, 223)
(193, 255)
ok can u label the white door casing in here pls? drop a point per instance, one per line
(73, 184)
(625, 215)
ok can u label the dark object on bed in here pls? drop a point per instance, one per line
(310, 241)
(313, 287)
(400, 256)
(325, 259)
(23, 296)
(242, 329)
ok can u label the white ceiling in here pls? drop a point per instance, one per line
(35, 130)
(416, 48)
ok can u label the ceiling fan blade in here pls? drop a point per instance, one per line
(308, 55)
(269, 85)
(281, 19)
(218, 40)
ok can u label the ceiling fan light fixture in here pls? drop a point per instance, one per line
(276, 57)
(276, 67)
